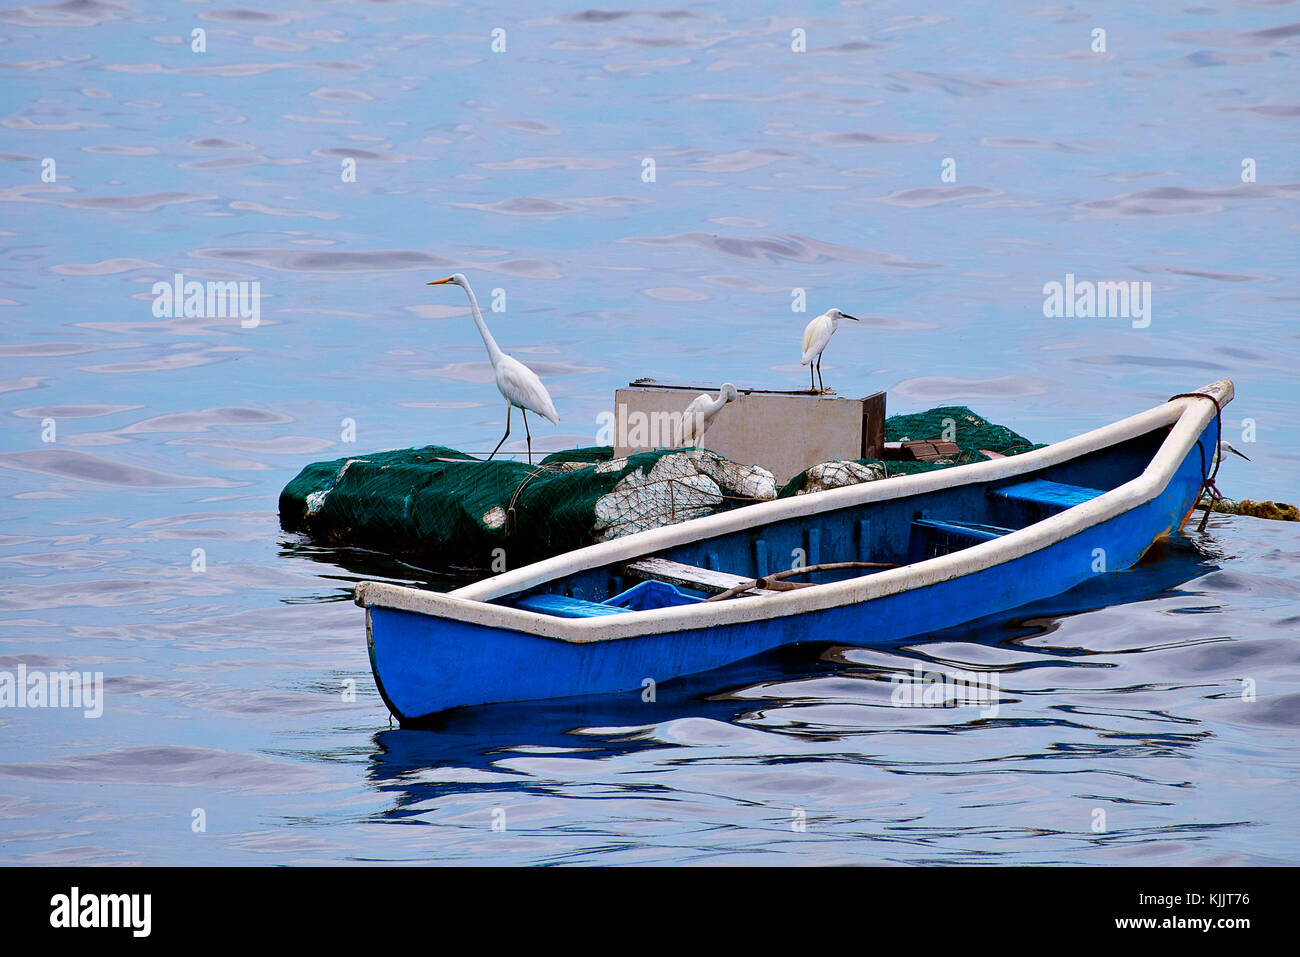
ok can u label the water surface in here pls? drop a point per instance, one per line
(227, 688)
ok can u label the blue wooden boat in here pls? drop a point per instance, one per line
(863, 564)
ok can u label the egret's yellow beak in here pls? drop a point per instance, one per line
(439, 282)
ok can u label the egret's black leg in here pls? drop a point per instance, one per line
(812, 382)
(530, 436)
(820, 380)
(507, 435)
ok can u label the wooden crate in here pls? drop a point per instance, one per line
(784, 432)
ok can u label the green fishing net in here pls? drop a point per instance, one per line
(971, 433)
(443, 508)
(440, 506)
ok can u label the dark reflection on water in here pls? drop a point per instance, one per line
(820, 712)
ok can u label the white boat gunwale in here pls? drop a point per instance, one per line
(471, 604)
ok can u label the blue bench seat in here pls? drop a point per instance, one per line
(933, 537)
(1046, 496)
(641, 597)
(562, 606)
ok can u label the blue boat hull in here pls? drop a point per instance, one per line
(425, 664)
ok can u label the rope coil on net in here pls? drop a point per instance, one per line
(543, 468)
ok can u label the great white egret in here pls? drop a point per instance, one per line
(700, 413)
(815, 337)
(518, 383)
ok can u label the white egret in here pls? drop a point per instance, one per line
(815, 337)
(518, 383)
(1229, 448)
(700, 413)
(1217, 455)
(1209, 493)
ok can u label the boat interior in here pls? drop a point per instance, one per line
(842, 543)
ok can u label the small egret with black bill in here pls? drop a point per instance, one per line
(816, 335)
(700, 413)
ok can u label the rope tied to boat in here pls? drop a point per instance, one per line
(1208, 475)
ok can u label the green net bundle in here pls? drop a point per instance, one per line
(440, 506)
(957, 424)
(443, 508)
(971, 433)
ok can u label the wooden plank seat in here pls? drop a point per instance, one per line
(705, 580)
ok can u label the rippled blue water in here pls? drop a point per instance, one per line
(774, 170)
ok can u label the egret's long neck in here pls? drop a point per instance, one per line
(494, 350)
